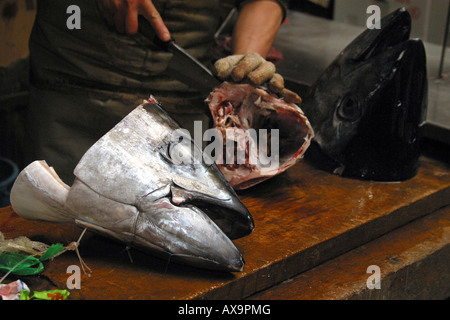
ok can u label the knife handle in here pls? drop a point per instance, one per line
(165, 45)
(146, 29)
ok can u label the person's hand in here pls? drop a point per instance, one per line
(257, 70)
(123, 15)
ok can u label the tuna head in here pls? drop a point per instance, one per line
(130, 185)
(183, 206)
(367, 106)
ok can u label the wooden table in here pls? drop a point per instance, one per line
(315, 236)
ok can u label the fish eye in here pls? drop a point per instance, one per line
(180, 150)
(175, 152)
(349, 109)
(163, 149)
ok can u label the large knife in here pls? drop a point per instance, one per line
(183, 66)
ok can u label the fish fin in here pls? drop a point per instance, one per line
(39, 194)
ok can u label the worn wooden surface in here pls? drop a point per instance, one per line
(303, 218)
(413, 260)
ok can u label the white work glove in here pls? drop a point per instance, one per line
(257, 70)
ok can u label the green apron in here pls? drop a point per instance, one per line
(85, 81)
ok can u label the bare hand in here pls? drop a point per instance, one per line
(123, 15)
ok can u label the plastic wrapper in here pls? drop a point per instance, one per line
(22, 244)
(13, 290)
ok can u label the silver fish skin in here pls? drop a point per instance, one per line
(129, 187)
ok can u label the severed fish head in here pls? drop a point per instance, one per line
(141, 184)
(368, 105)
(260, 134)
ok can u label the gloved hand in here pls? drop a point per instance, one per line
(257, 70)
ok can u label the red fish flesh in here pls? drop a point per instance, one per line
(239, 108)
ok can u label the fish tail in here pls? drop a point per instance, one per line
(39, 194)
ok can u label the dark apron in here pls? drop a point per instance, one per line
(85, 81)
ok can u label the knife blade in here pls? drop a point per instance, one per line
(189, 70)
(183, 66)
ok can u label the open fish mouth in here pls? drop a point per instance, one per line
(129, 188)
(229, 214)
(267, 135)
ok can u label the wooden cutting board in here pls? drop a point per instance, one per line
(303, 217)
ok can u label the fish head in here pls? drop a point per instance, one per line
(197, 181)
(367, 106)
(155, 192)
(270, 134)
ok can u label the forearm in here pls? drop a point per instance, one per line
(257, 27)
